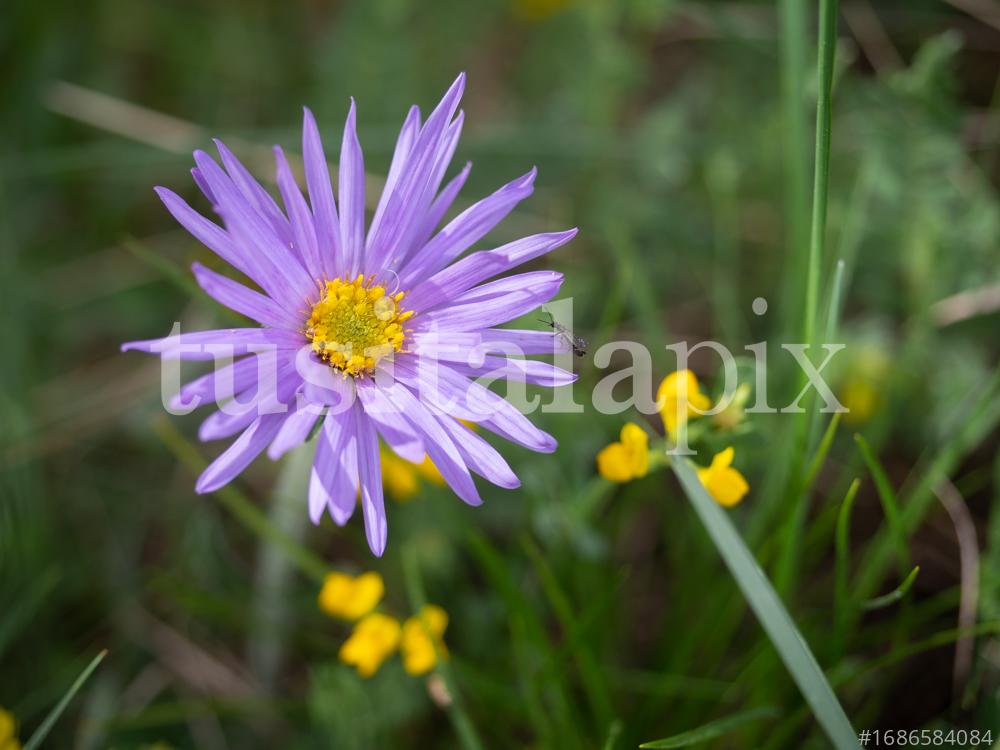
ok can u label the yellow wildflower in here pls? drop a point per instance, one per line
(347, 597)
(678, 398)
(723, 482)
(626, 459)
(420, 652)
(8, 731)
(373, 640)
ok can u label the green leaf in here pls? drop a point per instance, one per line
(46, 726)
(713, 729)
(890, 505)
(895, 595)
(841, 601)
(773, 617)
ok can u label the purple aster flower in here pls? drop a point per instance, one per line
(377, 334)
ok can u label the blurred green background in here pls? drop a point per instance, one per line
(583, 615)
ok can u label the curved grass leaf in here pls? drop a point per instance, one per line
(895, 595)
(890, 505)
(713, 729)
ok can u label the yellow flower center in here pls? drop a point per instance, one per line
(355, 324)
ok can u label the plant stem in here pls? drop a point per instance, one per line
(464, 728)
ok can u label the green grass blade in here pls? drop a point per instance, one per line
(590, 671)
(794, 40)
(46, 726)
(712, 729)
(773, 617)
(890, 506)
(792, 533)
(893, 596)
(170, 271)
(821, 175)
(841, 601)
(819, 458)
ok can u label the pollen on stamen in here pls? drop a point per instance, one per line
(355, 324)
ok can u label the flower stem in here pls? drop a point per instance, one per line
(464, 728)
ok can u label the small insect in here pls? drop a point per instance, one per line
(578, 344)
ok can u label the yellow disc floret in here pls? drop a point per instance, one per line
(355, 324)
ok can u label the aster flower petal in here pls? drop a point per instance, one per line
(211, 235)
(293, 432)
(352, 196)
(255, 401)
(300, 217)
(219, 384)
(286, 280)
(233, 342)
(333, 483)
(407, 137)
(487, 306)
(199, 180)
(321, 195)
(450, 345)
(321, 385)
(466, 229)
(223, 424)
(254, 193)
(434, 208)
(243, 300)
(519, 370)
(412, 192)
(480, 456)
(370, 479)
(524, 433)
(440, 448)
(238, 456)
(525, 341)
(396, 432)
(438, 209)
(464, 274)
(454, 394)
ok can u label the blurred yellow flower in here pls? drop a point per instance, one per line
(626, 459)
(861, 399)
(734, 414)
(678, 398)
(8, 731)
(402, 478)
(538, 10)
(420, 652)
(373, 640)
(347, 597)
(723, 482)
